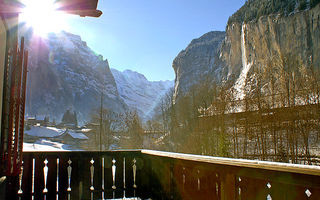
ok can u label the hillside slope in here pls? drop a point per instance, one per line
(64, 73)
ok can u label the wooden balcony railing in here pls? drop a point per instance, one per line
(149, 174)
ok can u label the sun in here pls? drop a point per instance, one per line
(42, 16)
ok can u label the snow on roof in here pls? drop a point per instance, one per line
(36, 117)
(39, 131)
(92, 124)
(85, 130)
(77, 135)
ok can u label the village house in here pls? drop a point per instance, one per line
(39, 120)
(73, 138)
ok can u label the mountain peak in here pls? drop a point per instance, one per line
(139, 93)
(134, 74)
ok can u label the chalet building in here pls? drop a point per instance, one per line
(76, 139)
(92, 126)
(38, 120)
(67, 126)
(70, 137)
(86, 131)
(90, 130)
(29, 138)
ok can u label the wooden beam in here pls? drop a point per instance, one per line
(281, 167)
(9, 9)
(83, 8)
(84, 13)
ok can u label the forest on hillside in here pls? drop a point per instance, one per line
(254, 9)
(277, 120)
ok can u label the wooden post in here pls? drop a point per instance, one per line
(228, 186)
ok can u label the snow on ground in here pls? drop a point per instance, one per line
(46, 145)
(39, 131)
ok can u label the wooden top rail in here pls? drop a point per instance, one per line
(282, 167)
(275, 166)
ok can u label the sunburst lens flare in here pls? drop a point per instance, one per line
(42, 16)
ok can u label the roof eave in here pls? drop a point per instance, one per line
(85, 13)
(16, 8)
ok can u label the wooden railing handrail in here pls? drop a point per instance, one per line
(275, 166)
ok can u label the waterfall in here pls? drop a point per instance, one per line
(240, 83)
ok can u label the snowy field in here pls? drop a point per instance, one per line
(46, 145)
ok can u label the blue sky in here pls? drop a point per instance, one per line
(146, 35)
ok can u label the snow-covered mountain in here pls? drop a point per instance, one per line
(138, 92)
(64, 73)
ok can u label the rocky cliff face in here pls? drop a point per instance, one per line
(64, 73)
(269, 38)
(252, 40)
(139, 93)
(196, 61)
